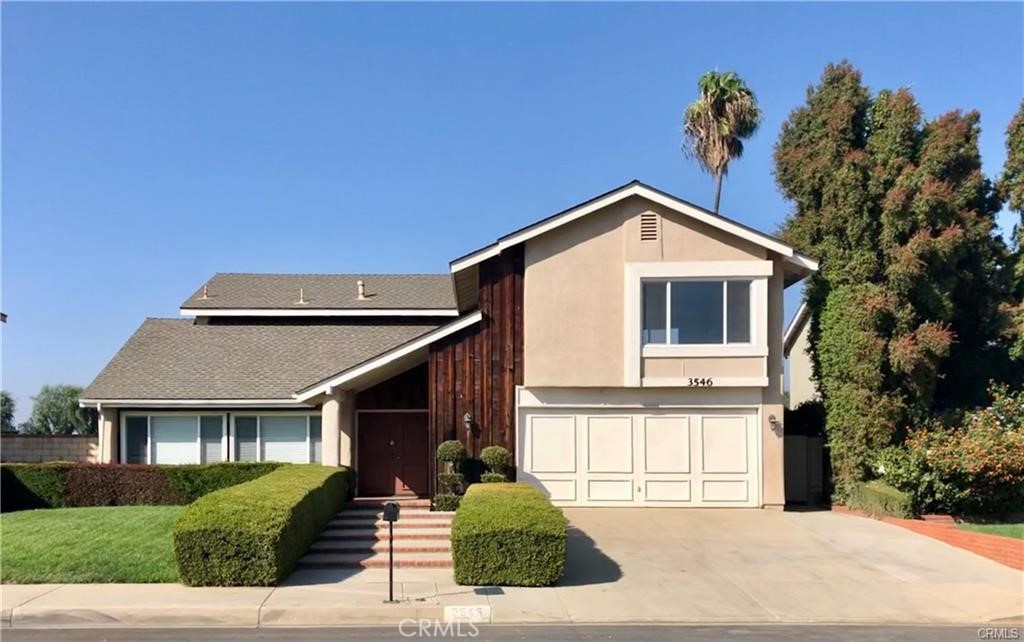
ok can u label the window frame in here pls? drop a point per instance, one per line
(667, 281)
(122, 455)
(259, 431)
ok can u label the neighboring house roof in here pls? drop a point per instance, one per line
(795, 327)
(179, 359)
(423, 294)
(635, 188)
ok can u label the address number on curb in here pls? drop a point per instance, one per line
(700, 382)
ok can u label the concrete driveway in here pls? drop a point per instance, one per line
(752, 565)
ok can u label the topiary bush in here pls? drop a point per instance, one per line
(492, 478)
(451, 452)
(497, 458)
(445, 502)
(254, 533)
(508, 535)
(451, 483)
(68, 485)
(880, 499)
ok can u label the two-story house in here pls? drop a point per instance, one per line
(627, 350)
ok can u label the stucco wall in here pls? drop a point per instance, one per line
(678, 367)
(38, 448)
(574, 287)
(801, 385)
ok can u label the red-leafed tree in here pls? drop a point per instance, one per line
(906, 308)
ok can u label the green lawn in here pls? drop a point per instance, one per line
(1006, 530)
(101, 544)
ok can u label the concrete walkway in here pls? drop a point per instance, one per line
(625, 565)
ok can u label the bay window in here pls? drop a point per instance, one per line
(696, 312)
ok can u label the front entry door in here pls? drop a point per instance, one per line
(393, 454)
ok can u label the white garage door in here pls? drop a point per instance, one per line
(652, 458)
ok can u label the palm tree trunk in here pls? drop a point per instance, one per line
(718, 191)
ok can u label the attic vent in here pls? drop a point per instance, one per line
(649, 227)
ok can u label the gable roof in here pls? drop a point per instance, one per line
(795, 327)
(324, 294)
(174, 359)
(635, 188)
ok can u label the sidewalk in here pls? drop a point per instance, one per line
(310, 597)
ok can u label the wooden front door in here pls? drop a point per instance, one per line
(393, 454)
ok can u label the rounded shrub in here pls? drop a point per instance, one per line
(492, 478)
(446, 501)
(497, 458)
(451, 483)
(452, 451)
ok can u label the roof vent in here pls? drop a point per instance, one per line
(649, 226)
(302, 297)
(206, 292)
(360, 290)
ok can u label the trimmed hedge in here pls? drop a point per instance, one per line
(71, 485)
(878, 498)
(508, 535)
(254, 533)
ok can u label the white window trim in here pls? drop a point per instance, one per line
(667, 282)
(635, 274)
(259, 430)
(123, 433)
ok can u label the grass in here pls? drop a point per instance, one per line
(99, 544)
(1006, 530)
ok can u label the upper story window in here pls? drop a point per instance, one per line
(696, 312)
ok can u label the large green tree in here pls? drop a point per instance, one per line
(6, 412)
(1011, 189)
(906, 307)
(55, 411)
(715, 125)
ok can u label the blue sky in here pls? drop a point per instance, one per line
(147, 146)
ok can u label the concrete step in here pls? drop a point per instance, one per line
(368, 546)
(375, 560)
(375, 534)
(343, 524)
(378, 502)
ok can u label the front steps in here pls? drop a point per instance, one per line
(357, 537)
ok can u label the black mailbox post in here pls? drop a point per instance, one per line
(391, 511)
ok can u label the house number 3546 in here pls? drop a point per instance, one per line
(700, 382)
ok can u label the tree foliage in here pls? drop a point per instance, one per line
(6, 412)
(906, 308)
(1011, 189)
(55, 411)
(715, 124)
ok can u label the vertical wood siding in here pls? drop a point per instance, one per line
(477, 370)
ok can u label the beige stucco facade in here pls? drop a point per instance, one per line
(801, 375)
(581, 313)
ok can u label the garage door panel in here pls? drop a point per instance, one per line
(605, 490)
(553, 444)
(559, 490)
(724, 445)
(609, 444)
(720, 490)
(642, 456)
(666, 444)
(668, 490)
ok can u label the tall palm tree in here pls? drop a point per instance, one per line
(715, 124)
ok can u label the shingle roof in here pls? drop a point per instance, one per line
(325, 291)
(177, 359)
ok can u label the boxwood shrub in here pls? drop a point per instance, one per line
(878, 498)
(69, 485)
(254, 533)
(508, 535)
